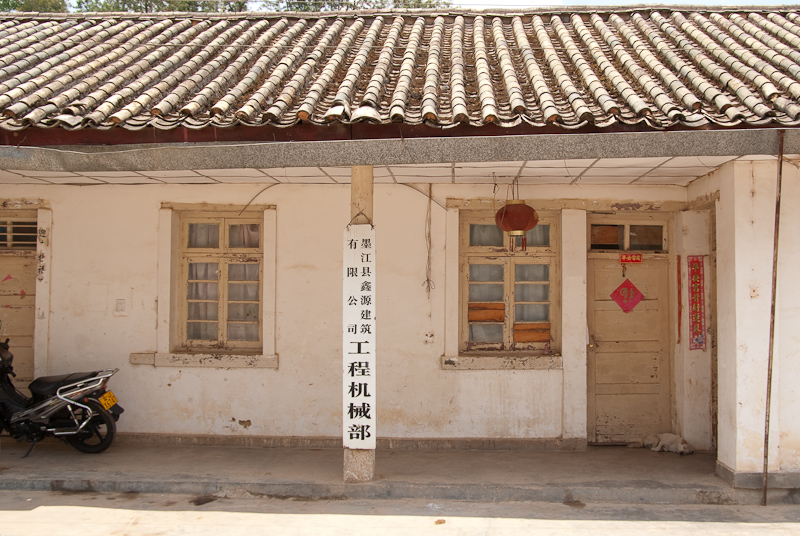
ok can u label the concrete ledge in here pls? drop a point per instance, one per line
(159, 359)
(482, 444)
(740, 480)
(501, 362)
(570, 494)
(336, 442)
(230, 441)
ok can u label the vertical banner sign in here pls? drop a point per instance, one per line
(697, 304)
(358, 350)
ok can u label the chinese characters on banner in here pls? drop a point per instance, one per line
(358, 350)
(630, 258)
(697, 304)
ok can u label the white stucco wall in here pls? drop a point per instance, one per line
(574, 320)
(745, 227)
(692, 371)
(105, 246)
(786, 390)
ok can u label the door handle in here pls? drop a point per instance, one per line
(593, 342)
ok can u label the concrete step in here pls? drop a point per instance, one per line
(595, 475)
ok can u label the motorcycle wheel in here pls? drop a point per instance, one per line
(98, 434)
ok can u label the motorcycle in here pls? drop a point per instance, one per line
(76, 408)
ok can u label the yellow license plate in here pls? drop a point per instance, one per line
(108, 400)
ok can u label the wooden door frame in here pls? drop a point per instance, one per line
(43, 255)
(667, 221)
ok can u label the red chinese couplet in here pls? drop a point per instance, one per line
(697, 303)
(627, 296)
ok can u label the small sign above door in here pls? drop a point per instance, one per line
(630, 258)
(627, 296)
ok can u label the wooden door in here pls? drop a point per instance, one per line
(17, 303)
(629, 353)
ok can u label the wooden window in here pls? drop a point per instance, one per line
(17, 233)
(635, 236)
(509, 300)
(221, 282)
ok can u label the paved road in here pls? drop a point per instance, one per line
(125, 514)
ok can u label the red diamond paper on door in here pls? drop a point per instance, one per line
(627, 296)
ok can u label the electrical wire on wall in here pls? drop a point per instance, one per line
(428, 283)
(264, 189)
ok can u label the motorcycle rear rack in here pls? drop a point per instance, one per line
(66, 395)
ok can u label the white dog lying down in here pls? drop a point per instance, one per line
(667, 443)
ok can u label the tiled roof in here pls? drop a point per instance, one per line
(650, 68)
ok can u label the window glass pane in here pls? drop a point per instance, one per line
(243, 311)
(539, 236)
(530, 312)
(608, 236)
(485, 272)
(485, 235)
(243, 291)
(203, 235)
(532, 272)
(203, 311)
(647, 237)
(201, 331)
(527, 292)
(243, 272)
(24, 234)
(244, 235)
(485, 293)
(203, 271)
(242, 332)
(27, 228)
(203, 291)
(486, 332)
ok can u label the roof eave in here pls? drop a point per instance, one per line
(397, 151)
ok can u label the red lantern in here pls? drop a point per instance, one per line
(516, 218)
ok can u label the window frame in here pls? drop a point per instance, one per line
(30, 350)
(167, 352)
(224, 255)
(547, 255)
(626, 222)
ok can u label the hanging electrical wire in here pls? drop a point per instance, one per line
(428, 283)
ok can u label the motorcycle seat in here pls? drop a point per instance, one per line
(48, 385)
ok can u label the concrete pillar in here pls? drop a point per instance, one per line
(745, 231)
(359, 465)
(573, 322)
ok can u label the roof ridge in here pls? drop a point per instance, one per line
(454, 11)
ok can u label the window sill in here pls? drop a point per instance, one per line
(226, 361)
(487, 361)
